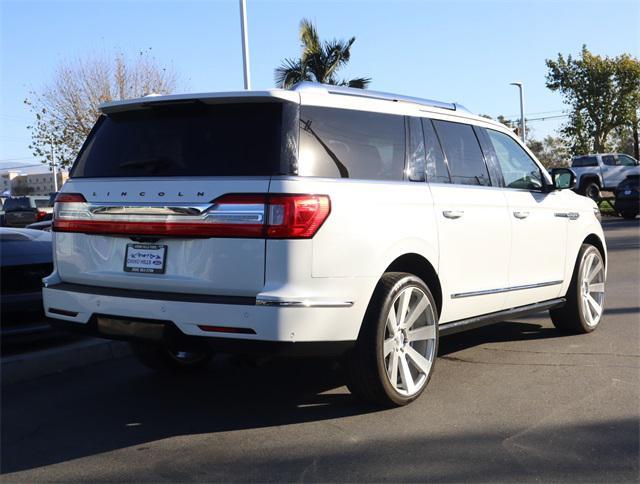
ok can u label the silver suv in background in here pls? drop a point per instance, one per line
(602, 171)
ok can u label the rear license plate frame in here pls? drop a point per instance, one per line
(153, 267)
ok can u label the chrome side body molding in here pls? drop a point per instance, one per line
(504, 289)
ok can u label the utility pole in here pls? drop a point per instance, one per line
(53, 169)
(245, 44)
(522, 127)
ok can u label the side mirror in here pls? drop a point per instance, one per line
(563, 178)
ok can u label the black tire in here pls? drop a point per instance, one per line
(365, 365)
(628, 214)
(571, 318)
(591, 189)
(165, 359)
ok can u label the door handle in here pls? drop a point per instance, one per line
(520, 215)
(453, 214)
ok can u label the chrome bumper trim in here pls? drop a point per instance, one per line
(303, 303)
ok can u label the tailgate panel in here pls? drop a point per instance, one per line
(219, 266)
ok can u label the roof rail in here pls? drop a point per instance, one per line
(366, 93)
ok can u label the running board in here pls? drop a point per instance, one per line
(491, 318)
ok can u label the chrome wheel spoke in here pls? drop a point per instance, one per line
(420, 362)
(392, 323)
(403, 305)
(422, 333)
(415, 313)
(392, 369)
(405, 371)
(389, 346)
(596, 287)
(594, 270)
(595, 307)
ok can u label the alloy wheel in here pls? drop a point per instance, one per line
(592, 287)
(409, 341)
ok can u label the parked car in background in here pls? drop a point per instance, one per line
(22, 211)
(44, 225)
(317, 221)
(25, 258)
(627, 194)
(602, 171)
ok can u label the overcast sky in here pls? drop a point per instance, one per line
(463, 51)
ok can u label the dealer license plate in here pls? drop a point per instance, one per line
(147, 258)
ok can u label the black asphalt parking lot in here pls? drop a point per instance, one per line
(516, 401)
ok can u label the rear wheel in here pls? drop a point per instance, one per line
(585, 298)
(629, 214)
(395, 354)
(165, 358)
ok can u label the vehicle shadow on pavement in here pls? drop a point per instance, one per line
(120, 404)
(496, 333)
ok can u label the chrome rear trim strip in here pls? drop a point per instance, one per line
(504, 289)
(303, 303)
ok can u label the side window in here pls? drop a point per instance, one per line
(609, 160)
(341, 143)
(416, 170)
(460, 145)
(583, 161)
(626, 160)
(518, 168)
(437, 171)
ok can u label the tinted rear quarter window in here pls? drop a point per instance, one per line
(341, 143)
(191, 139)
(464, 156)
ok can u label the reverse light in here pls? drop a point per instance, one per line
(275, 216)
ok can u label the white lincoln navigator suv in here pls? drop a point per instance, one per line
(315, 221)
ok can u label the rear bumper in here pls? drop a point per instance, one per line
(78, 307)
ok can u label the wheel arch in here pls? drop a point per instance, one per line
(587, 178)
(595, 240)
(418, 265)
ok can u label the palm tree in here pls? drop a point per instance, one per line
(319, 62)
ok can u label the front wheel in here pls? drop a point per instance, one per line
(396, 350)
(165, 358)
(585, 298)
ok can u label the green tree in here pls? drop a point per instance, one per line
(319, 62)
(603, 93)
(66, 109)
(552, 151)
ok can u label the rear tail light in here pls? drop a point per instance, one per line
(40, 215)
(281, 216)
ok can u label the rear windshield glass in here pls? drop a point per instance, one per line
(191, 139)
(18, 203)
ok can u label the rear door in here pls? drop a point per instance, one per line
(473, 223)
(152, 187)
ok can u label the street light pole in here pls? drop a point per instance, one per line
(53, 169)
(245, 43)
(522, 127)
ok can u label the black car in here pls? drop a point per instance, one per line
(628, 197)
(22, 211)
(26, 256)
